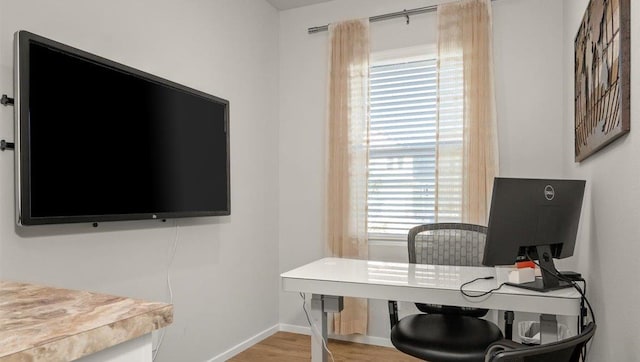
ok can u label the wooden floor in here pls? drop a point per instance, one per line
(292, 347)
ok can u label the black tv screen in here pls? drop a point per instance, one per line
(100, 141)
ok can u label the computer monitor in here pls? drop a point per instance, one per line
(534, 217)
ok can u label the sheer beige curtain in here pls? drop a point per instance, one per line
(348, 130)
(465, 56)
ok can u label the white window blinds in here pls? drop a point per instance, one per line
(402, 154)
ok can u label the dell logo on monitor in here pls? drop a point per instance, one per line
(549, 192)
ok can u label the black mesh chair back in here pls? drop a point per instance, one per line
(566, 350)
(447, 244)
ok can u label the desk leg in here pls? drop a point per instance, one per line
(319, 319)
(508, 324)
(548, 328)
(320, 305)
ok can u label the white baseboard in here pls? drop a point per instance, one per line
(245, 344)
(371, 340)
(291, 328)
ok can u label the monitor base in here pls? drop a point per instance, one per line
(539, 286)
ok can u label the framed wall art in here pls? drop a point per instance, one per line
(602, 76)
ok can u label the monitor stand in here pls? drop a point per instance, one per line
(548, 281)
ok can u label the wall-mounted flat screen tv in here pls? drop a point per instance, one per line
(100, 141)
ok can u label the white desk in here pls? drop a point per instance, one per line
(435, 284)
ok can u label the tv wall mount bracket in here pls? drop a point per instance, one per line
(4, 145)
(6, 101)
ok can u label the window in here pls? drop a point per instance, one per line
(403, 144)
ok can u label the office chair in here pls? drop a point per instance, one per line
(444, 333)
(566, 350)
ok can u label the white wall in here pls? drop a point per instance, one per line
(225, 273)
(528, 69)
(528, 73)
(608, 245)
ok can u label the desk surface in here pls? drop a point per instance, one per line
(437, 284)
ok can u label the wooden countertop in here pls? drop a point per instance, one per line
(39, 323)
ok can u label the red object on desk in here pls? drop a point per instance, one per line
(525, 264)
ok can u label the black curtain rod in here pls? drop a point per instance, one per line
(398, 14)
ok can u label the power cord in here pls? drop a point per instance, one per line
(583, 309)
(466, 294)
(583, 314)
(170, 255)
(556, 274)
(314, 330)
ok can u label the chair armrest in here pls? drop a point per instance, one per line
(393, 312)
(499, 346)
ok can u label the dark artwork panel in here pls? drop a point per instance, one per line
(602, 76)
